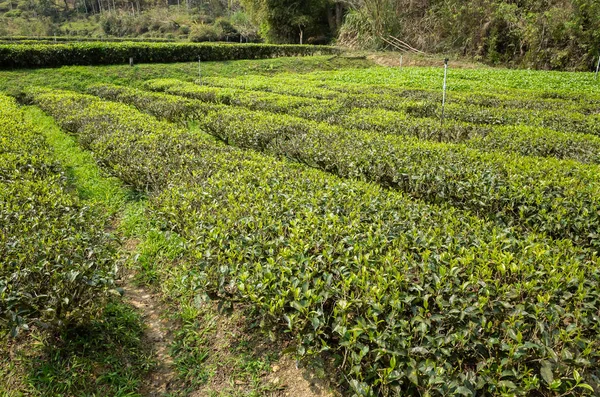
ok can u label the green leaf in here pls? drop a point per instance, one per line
(413, 377)
(507, 384)
(546, 372)
(462, 390)
(586, 386)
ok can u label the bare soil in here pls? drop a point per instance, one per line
(156, 336)
(392, 59)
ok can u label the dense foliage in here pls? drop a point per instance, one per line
(550, 34)
(56, 260)
(554, 34)
(63, 39)
(412, 298)
(550, 196)
(45, 55)
(284, 21)
(147, 19)
(477, 120)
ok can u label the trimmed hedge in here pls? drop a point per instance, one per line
(52, 55)
(56, 260)
(69, 39)
(352, 112)
(560, 198)
(412, 299)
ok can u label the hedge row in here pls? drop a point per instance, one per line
(573, 117)
(349, 112)
(134, 139)
(560, 198)
(45, 55)
(568, 87)
(311, 108)
(62, 39)
(389, 95)
(56, 261)
(412, 299)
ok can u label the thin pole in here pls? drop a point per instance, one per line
(597, 67)
(444, 91)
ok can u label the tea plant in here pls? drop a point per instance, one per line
(559, 198)
(411, 298)
(57, 261)
(491, 129)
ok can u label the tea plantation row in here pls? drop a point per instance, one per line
(412, 298)
(101, 53)
(56, 259)
(559, 198)
(415, 118)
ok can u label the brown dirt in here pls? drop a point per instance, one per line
(296, 381)
(156, 337)
(392, 59)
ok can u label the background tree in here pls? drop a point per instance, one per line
(284, 21)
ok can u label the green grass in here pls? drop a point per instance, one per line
(105, 357)
(80, 77)
(222, 353)
(84, 175)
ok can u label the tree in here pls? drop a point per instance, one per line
(284, 21)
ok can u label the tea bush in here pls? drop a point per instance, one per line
(523, 108)
(52, 55)
(411, 298)
(350, 113)
(56, 259)
(559, 198)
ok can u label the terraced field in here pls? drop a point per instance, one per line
(410, 257)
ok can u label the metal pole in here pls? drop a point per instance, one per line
(597, 67)
(444, 91)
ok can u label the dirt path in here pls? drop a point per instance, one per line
(392, 59)
(156, 336)
(283, 379)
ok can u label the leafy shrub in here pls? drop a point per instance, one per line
(356, 111)
(563, 202)
(56, 259)
(203, 32)
(136, 137)
(412, 299)
(185, 29)
(41, 55)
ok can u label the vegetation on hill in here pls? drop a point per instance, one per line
(549, 34)
(196, 20)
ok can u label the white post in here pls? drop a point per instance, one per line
(444, 90)
(597, 67)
